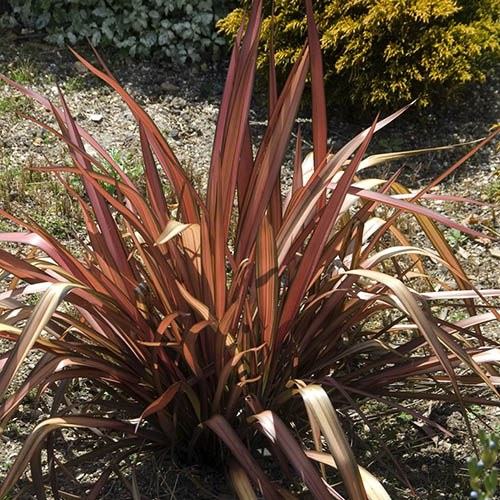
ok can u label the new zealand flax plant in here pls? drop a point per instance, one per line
(218, 331)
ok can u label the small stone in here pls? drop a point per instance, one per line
(170, 88)
(96, 117)
(463, 253)
(80, 67)
(495, 252)
(174, 133)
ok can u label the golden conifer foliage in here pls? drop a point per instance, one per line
(388, 52)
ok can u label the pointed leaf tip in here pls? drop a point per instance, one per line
(172, 229)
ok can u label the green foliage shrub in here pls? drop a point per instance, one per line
(178, 30)
(483, 472)
(388, 52)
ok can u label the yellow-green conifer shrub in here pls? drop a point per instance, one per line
(387, 52)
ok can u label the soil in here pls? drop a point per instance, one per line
(184, 104)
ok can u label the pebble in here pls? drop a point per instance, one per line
(170, 88)
(96, 117)
(80, 67)
(495, 252)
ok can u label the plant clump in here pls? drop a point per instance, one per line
(179, 31)
(219, 325)
(388, 52)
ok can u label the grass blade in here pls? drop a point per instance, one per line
(373, 487)
(319, 404)
(277, 432)
(33, 328)
(40, 432)
(223, 429)
(241, 482)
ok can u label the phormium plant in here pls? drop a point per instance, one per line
(213, 331)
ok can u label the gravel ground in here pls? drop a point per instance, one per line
(184, 105)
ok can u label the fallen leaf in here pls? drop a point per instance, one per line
(472, 220)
